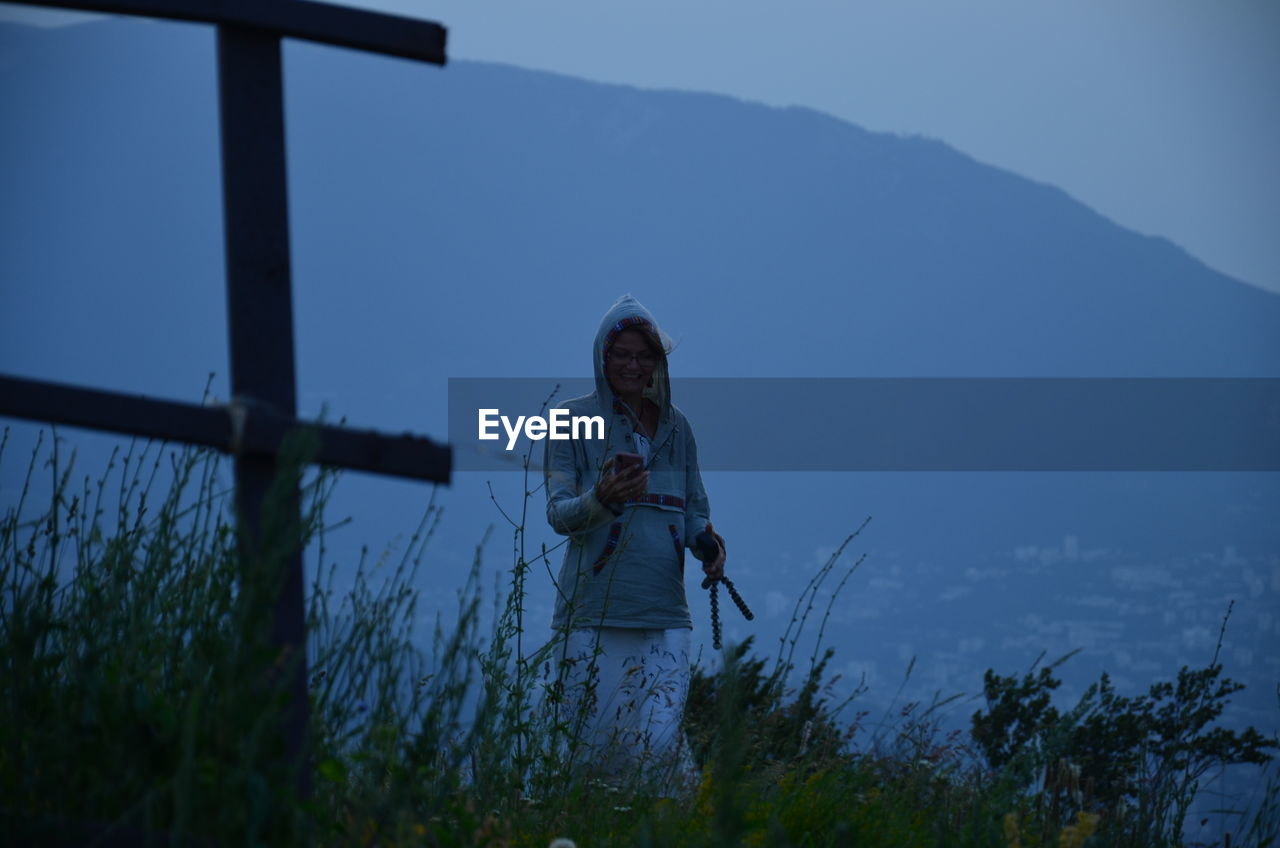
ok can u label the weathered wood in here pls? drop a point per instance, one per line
(248, 429)
(259, 301)
(374, 32)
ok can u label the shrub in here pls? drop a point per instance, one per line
(1136, 760)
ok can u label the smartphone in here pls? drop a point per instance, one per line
(626, 461)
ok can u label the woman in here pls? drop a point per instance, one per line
(620, 595)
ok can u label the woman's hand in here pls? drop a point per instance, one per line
(615, 487)
(715, 568)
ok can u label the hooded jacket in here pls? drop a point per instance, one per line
(625, 570)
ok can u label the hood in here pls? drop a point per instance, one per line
(628, 312)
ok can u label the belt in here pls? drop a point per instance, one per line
(657, 500)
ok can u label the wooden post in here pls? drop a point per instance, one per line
(260, 324)
(259, 300)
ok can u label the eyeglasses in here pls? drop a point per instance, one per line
(645, 359)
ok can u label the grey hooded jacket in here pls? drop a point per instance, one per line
(624, 570)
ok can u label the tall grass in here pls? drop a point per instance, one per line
(135, 701)
(133, 661)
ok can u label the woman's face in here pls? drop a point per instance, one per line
(630, 363)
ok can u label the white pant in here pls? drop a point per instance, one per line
(625, 690)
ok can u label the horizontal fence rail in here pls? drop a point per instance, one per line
(374, 32)
(236, 428)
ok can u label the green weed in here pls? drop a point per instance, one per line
(135, 704)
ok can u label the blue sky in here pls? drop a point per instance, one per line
(1160, 114)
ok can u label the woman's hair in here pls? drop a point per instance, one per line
(658, 342)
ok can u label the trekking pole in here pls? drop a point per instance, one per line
(709, 547)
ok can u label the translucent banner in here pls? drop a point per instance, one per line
(908, 424)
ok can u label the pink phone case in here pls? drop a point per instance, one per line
(625, 461)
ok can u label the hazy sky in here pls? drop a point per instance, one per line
(1160, 114)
